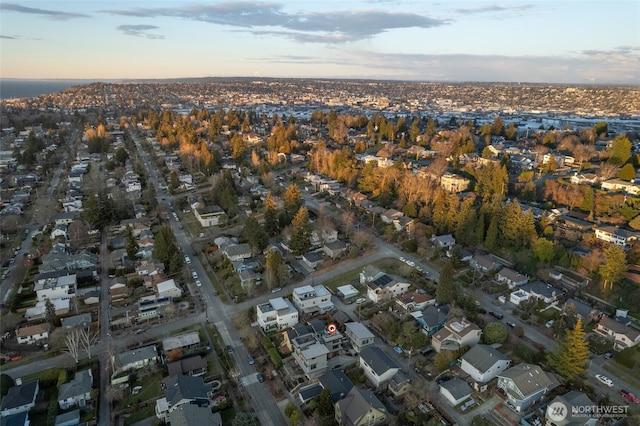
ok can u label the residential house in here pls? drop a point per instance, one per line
(39, 311)
(615, 235)
(525, 385)
(210, 215)
(19, 399)
(310, 355)
(249, 278)
(276, 314)
(455, 390)
(182, 390)
(118, 291)
(151, 306)
(455, 334)
(311, 299)
(312, 259)
(574, 414)
(63, 287)
(622, 335)
(454, 183)
(360, 407)
(399, 384)
(582, 310)
(77, 392)
(191, 366)
(82, 321)
(64, 218)
(384, 288)
(511, 277)
(483, 362)
(70, 418)
(415, 301)
(359, 335)
(237, 251)
(33, 333)
(181, 341)
(378, 367)
(443, 241)
(536, 289)
(615, 185)
(193, 414)
(337, 382)
(484, 263)
(335, 249)
(136, 359)
(168, 289)
(432, 318)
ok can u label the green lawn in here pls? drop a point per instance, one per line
(150, 390)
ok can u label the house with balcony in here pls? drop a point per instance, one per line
(432, 318)
(182, 390)
(276, 314)
(616, 235)
(384, 288)
(311, 355)
(312, 299)
(378, 367)
(62, 287)
(511, 278)
(454, 183)
(483, 362)
(525, 385)
(359, 335)
(415, 301)
(76, 392)
(622, 335)
(456, 333)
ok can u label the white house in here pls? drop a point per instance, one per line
(455, 334)
(443, 241)
(77, 391)
(525, 385)
(378, 367)
(483, 362)
(511, 277)
(311, 299)
(62, 287)
(455, 390)
(33, 333)
(168, 289)
(19, 399)
(618, 236)
(311, 355)
(622, 335)
(359, 335)
(276, 314)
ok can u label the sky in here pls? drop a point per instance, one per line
(550, 41)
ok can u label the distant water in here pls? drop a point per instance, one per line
(10, 88)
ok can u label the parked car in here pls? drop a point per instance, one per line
(251, 360)
(229, 349)
(549, 323)
(398, 349)
(194, 274)
(511, 324)
(275, 290)
(198, 283)
(608, 355)
(360, 300)
(496, 314)
(604, 379)
(260, 378)
(629, 396)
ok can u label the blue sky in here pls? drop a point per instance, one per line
(512, 41)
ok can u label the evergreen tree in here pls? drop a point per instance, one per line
(301, 233)
(255, 234)
(275, 272)
(131, 244)
(614, 266)
(491, 238)
(292, 199)
(50, 313)
(627, 172)
(570, 358)
(447, 291)
(165, 249)
(271, 225)
(620, 150)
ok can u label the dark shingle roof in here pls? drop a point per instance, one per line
(377, 359)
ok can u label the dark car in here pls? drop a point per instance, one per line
(260, 378)
(229, 349)
(511, 324)
(496, 314)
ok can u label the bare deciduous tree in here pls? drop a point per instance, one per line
(72, 341)
(88, 338)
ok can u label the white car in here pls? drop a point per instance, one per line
(198, 283)
(360, 300)
(186, 259)
(194, 274)
(604, 379)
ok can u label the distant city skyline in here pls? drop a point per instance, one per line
(570, 42)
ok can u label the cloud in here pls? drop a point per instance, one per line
(140, 31)
(493, 8)
(51, 14)
(8, 37)
(313, 27)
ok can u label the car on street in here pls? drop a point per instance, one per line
(260, 378)
(275, 290)
(360, 300)
(608, 355)
(198, 283)
(186, 259)
(398, 349)
(629, 396)
(496, 314)
(511, 324)
(604, 379)
(229, 349)
(251, 360)
(194, 274)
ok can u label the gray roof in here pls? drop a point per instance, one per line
(66, 418)
(309, 392)
(19, 395)
(529, 378)
(377, 359)
(544, 289)
(136, 355)
(337, 382)
(357, 403)
(483, 357)
(180, 341)
(80, 385)
(82, 319)
(186, 387)
(435, 315)
(457, 387)
(238, 249)
(359, 330)
(186, 365)
(192, 414)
